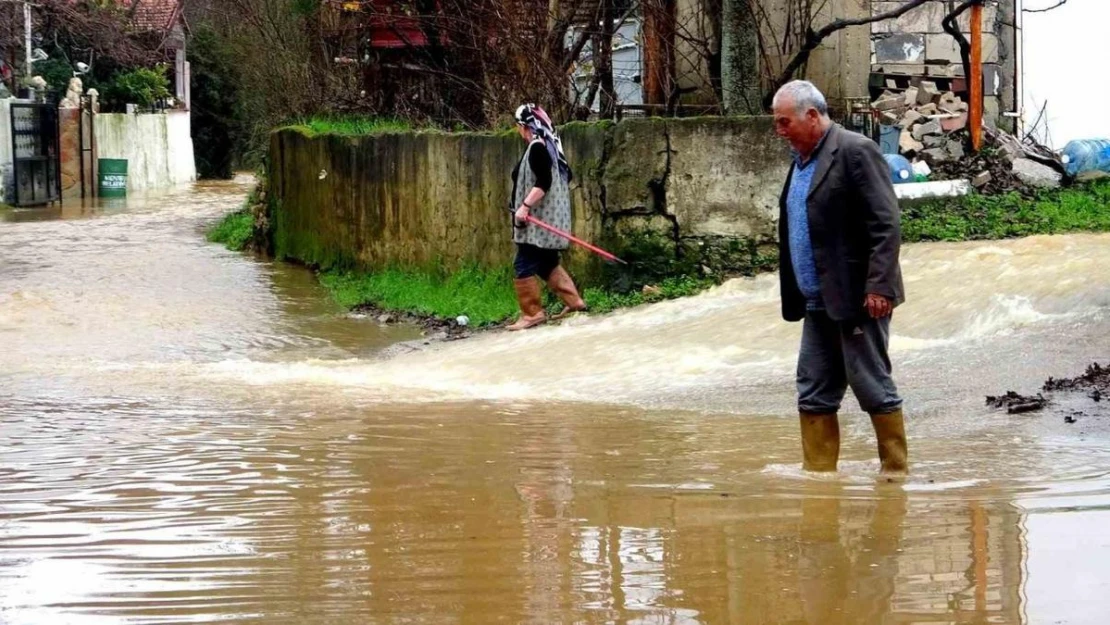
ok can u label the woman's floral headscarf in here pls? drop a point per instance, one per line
(535, 118)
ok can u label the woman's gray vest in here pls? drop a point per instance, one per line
(553, 209)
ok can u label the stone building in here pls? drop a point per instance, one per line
(855, 63)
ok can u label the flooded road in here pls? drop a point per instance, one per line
(190, 435)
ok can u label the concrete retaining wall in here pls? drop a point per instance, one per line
(693, 191)
(158, 147)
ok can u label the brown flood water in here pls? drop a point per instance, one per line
(189, 435)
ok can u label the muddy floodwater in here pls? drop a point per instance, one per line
(189, 435)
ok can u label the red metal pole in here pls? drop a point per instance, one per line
(573, 239)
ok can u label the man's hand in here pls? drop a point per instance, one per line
(521, 216)
(878, 306)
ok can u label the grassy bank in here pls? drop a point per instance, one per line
(358, 126)
(347, 126)
(234, 230)
(1081, 208)
(486, 297)
(483, 296)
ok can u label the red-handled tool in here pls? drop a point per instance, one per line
(573, 239)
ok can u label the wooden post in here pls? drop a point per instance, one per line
(975, 80)
(658, 50)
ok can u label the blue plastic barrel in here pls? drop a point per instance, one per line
(1086, 155)
(888, 139)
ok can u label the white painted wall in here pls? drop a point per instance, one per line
(158, 147)
(1064, 65)
(627, 62)
(7, 159)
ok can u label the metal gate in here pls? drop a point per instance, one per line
(37, 156)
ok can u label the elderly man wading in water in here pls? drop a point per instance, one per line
(839, 238)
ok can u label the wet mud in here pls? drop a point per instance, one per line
(434, 330)
(1079, 396)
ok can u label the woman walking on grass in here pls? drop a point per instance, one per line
(541, 188)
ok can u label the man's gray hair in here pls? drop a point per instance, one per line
(804, 95)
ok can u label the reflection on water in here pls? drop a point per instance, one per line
(477, 512)
(190, 435)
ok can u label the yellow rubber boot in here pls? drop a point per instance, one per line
(820, 441)
(890, 431)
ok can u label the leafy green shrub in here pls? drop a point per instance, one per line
(140, 86)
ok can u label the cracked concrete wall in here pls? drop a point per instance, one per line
(705, 190)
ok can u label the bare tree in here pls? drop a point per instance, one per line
(800, 42)
(698, 35)
(1058, 4)
(86, 29)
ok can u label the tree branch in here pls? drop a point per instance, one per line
(576, 50)
(1055, 6)
(814, 39)
(952, 28)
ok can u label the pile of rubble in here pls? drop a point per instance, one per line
(934, 137)
(991, 170)
(928, 118)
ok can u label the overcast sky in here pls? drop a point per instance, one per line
(1066, 65)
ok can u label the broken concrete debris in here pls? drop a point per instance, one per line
(910, 118)
(909, 146)
(958, 121)
(936, 156)
(927, 113)
(1037, 175)
(929, 128)
(887, 104)
(928, 93)
(935, 141)
(933, 130)
(955, 148)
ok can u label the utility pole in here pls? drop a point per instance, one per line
(27, 37)
(975, 80)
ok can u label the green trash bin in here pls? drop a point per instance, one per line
(113, 177)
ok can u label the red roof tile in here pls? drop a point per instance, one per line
(156, 15)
